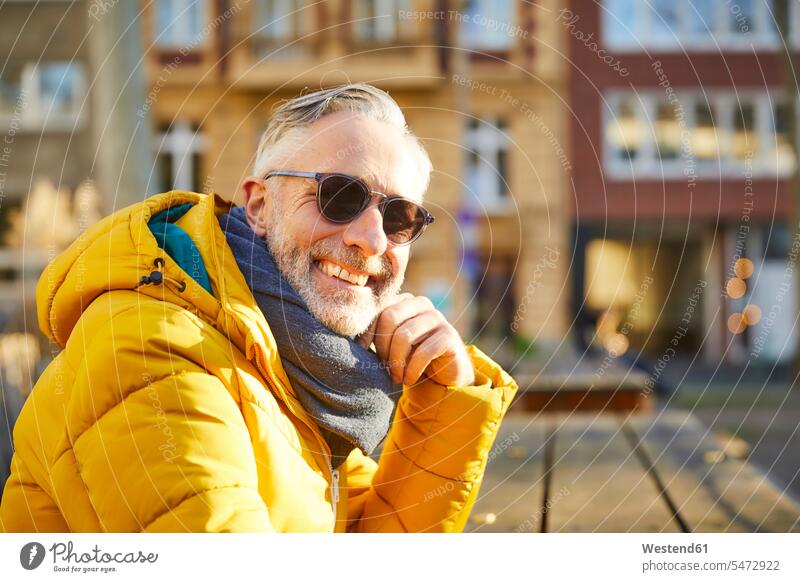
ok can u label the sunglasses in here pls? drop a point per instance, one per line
(341, 198)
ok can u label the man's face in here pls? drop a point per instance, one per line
(310, 251)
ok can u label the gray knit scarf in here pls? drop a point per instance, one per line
(344, 387)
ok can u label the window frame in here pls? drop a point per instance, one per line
(302, 23)
(193, 155)
(34, 114)
(684, 40)
(724, 107)
(467, 42)
(198, 41)
(381, 35)
(475, 145)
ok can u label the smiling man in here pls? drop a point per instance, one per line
(233, 368)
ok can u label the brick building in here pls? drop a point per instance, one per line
(679, 117)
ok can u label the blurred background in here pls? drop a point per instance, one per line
(615, 182)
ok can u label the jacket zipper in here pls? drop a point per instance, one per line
(334, 492)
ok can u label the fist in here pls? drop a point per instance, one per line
(414, 339)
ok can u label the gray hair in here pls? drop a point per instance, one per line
(290, 118)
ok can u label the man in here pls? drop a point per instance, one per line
(232, 369)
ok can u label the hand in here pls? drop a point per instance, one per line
(413, 338)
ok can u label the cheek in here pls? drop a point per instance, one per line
(399, 261)
(306, 226)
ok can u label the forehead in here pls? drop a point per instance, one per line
(373, 150)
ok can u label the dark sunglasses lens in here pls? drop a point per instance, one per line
(342, 198)
(402, 220)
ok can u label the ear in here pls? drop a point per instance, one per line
(255, 196)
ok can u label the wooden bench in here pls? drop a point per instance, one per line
(659, 472)
(583, 384)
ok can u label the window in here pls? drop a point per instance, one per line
(178, 157)
(626, 131)
(486, 174)
(44, 95)
(618, 22)
(180, 23)
(10, 88)
(705, 145)
(668, 133)
(279, 28)
(664, 19)
(56, 88)
(709, 134)
(741, 17)
(378, 20)
(679, 25)
(777, 242)
(745, 138)
(488, 25)
(700, 17)
(275, 19)
(779, 148)
(495, 299)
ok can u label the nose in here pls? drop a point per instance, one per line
(366, 233)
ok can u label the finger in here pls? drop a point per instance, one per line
(435, 346)
(398, 298)
(410, 333)
(378, 336)
(365, 339)
(393, 316)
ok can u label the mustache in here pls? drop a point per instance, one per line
(377, 267)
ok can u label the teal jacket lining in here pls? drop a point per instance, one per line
(178, 244)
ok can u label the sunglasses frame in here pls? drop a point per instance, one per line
(320, 177)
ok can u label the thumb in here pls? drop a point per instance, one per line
(365, 339)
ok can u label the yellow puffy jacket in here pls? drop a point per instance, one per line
(167, 408)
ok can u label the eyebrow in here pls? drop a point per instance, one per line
(372, 176)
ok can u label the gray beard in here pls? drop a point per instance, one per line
(344, 311)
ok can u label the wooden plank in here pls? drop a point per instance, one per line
(712, 493)
(512, 492)
(599, 484)
(587, 399)
(571, 383)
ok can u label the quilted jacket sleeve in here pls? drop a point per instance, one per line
(157, 435)
(431, 467)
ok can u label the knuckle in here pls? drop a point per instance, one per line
(403, 297)
(392, 319)
(425, 302)
(428, 349)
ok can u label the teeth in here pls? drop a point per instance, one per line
(335, 270)
(348, 276)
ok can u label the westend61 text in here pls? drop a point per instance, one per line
(674, 549)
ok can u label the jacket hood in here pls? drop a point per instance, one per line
(120, 252)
